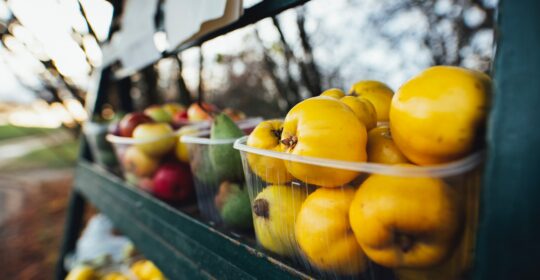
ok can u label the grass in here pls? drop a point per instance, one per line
(10, 131)
(63, 155)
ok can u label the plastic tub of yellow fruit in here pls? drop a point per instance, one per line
(344, 197)
(341, 218)
(218, 175)
(154, 160)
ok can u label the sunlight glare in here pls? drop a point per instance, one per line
(76, 109)
(93, 51)
(44, 18)
(99, 14)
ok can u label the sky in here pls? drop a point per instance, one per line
(49, 30)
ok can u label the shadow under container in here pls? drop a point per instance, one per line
(218, 176)
(364, 220)
(141, 160)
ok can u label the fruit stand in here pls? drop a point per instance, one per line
(506, 248)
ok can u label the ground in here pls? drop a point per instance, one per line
(31, 231)
(10, 132)
(34, 185)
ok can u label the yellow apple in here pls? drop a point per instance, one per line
(82, 272)
(157, 139)
(379, 94)
(381, 147)
(266, 135)
(438, 115)
(173, 109)
(333, 92)
(139, 163)
(158, 114)
(406, 222)
(182, 152)
(324, 233)
(323, 127)
(363, 109)
(274, 212)
(197, 113)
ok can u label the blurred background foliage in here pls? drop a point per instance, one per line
(262, 69)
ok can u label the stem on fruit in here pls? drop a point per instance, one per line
(290, 142)
(277, 132)
(261, 208)
(388, 134)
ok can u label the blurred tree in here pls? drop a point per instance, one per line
(453, 28)
(309, 70)
(184, 95)
(271, 67)
(251, 88)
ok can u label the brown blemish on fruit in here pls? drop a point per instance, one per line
(404, 241)
(290, 142)
(277, 132)
(387, 134)
(261, 208)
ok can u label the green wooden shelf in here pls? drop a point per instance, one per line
(180, 244)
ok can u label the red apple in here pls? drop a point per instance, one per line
(180, 119)
(114, 128)
(173, 182)
(130, 121)
(196, 113)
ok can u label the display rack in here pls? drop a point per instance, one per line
(508, 246)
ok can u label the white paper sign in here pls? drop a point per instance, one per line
(135, 45)
(142, 53)
(183, 18)
(138, 21)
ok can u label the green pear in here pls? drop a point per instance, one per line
(224, 158)
(232, 202)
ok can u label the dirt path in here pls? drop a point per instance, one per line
(32, 213)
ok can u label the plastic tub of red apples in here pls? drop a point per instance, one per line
(154, 160)
(219, 182)
(360, 219)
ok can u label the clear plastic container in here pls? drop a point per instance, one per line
(389, 222)
(219, 179)
(101, 150)
(157, 165)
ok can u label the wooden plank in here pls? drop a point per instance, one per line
(168, 236)
(508, 244)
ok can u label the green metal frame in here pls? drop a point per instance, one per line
(509, 235)
(507, 240)
(168, 236)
